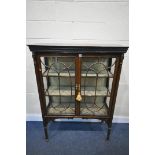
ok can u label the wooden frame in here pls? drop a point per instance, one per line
(77, 51)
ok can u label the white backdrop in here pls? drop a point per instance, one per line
(77, 21)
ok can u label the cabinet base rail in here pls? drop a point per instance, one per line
(48, 119)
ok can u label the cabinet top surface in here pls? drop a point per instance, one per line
(75, 48)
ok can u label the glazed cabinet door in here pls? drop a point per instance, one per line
(97, 74)
(58, 73)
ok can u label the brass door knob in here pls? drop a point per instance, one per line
(78, 97)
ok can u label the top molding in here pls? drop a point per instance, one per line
(77, 49)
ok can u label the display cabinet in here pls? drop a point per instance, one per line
(77, 81)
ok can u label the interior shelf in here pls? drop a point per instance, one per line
(72, 74)
(66, 91)
(61, 110)
(94, 111)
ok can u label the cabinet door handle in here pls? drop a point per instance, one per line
(78, 97)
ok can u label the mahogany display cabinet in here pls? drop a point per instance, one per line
(77, 81)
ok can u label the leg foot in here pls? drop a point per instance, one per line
(109, 123)
(108, 134)
(46, 134)
(45, 123)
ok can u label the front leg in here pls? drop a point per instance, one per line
(109, 123)
(45, 123)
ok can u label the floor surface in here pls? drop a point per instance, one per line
(69, 138)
